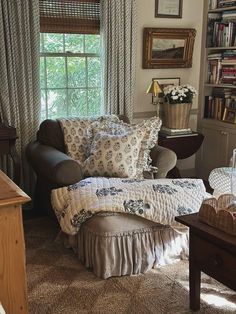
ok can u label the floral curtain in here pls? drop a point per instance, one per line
(118, 33)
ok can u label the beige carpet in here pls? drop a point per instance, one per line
(58, 283)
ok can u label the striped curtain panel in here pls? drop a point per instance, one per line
(118, 27)
(19, 68)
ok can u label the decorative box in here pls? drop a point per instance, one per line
(220, 213)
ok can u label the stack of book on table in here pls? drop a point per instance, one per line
(167, 132)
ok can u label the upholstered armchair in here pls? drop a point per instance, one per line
(54, 168)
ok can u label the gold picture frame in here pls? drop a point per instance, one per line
(164, 82)
(168, 8)
(229, 115)
(168, 47)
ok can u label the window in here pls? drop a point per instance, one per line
(70, 72)
(70, 75)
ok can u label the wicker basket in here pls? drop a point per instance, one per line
(219, 213)
(176, 116)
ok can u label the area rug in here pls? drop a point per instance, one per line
(59, 283)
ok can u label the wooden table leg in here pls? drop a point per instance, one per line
(194, 278)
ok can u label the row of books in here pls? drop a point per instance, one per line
(228, 76)
(222, 68)
(214, 107)
(221, 33)
(214, 4)
(228, 94)
(216, 103)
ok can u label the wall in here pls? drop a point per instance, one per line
(191, 18)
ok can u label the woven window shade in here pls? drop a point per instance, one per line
(70, 16)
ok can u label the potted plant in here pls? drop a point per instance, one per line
(177, 106)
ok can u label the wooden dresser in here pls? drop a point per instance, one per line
(13, 286)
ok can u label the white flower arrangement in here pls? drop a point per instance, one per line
(175, 94)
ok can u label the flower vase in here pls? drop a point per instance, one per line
(176, 116)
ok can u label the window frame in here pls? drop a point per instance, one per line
(67, 54)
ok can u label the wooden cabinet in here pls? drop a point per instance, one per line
(217, 87)
(13, 288)
(217, 148)
(8, 139)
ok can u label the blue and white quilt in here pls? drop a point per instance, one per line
(157, 200)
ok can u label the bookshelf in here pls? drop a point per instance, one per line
(217, 92)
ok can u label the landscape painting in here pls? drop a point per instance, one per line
(168, 47)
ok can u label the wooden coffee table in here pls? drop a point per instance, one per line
(211, 251)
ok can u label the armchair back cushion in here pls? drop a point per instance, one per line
(50, 134)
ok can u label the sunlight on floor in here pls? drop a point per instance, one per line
(218, 301)
(211, 299)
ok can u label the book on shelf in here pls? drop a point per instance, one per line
(226, 3)
(215, 104)
(192, 133)
(214, 71)
(228, 15)
(212, 4)
(229, 2)
(212, 18)
(221, 31)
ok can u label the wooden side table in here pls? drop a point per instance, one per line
(7, 147)
(211, 251)
(183, 146)
(13, 288)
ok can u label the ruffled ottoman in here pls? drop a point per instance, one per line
(117, 244)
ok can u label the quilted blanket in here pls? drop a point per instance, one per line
(157, 200)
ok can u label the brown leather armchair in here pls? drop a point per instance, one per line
(55, 169)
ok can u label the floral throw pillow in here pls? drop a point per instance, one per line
(114, 155)
(151, 127)
(76, 136)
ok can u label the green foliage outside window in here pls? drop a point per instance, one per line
(70, 75)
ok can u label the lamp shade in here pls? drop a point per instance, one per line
(154, 88)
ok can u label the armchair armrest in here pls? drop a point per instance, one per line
(164, 159)
(53, 165)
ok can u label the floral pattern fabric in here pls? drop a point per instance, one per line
(114, 155)
(76, 136)
(151, 127)
(157, 200)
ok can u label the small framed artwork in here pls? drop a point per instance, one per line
(168, 47)
(168, 8)
(229, 115)
(164, 82)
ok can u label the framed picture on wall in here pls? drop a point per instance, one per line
(168, 47)
(164, 82)
(168, 8)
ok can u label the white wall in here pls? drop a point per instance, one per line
(191, 18)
